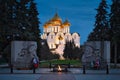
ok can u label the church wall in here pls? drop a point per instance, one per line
(76, 39)
(68, 37)
(55, 29)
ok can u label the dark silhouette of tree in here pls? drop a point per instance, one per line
(71, 51)
(19, 21)
(101, 30)
(76, 53)
(45, 53)
(33, 19)
(66, 50)
(3, 23)
(33, 22)
(6, 25)
(115, 30)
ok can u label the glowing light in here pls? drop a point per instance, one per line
(59, 68)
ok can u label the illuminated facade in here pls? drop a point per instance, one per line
(57, 33)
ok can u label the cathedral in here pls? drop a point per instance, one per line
(57, 33)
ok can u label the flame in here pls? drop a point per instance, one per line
(59, 68)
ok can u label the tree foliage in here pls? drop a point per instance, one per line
(108, 27)
(115, 21)
(45, 53)
(71, 51)
(101, 30)
(19, 21)
(115, 30)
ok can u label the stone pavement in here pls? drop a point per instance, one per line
(57, 76)
(19, 76)
(97, 77)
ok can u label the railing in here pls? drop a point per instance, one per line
(106, 69)
(101, 65)
(84, 69)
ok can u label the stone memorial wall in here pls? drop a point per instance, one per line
(22, 53)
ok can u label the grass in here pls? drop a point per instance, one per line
(75, 63)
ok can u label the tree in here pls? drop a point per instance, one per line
(66, 50)
(76, 53)
(6, 28)
(115, 30)
(33, 22)
(45, 53)
(19, 21)
(69, 50)
(101, 30)
(3, 23)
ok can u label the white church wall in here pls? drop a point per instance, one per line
(51, 37)
(57, 41)
(51, 45)
(76, 39)
(68, 37)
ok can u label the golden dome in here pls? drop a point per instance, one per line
(45, 25)
(49, 23)
(56, 19)
(62, 26)
(66, 23)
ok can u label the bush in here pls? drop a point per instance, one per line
(2, 61)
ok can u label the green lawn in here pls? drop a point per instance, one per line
(75, 63)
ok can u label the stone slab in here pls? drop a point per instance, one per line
(57, 76)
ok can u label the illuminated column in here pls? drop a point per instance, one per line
(47, 30)
(68, 30)
(58, 28)
(50, 28)
(65, 30)
(55, 28)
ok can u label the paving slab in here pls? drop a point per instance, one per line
(57, 76)
(19, 76)
(97, 77)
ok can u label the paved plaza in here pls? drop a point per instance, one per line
(46, 74)
(58, 76)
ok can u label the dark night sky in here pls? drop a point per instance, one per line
(80, 13)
